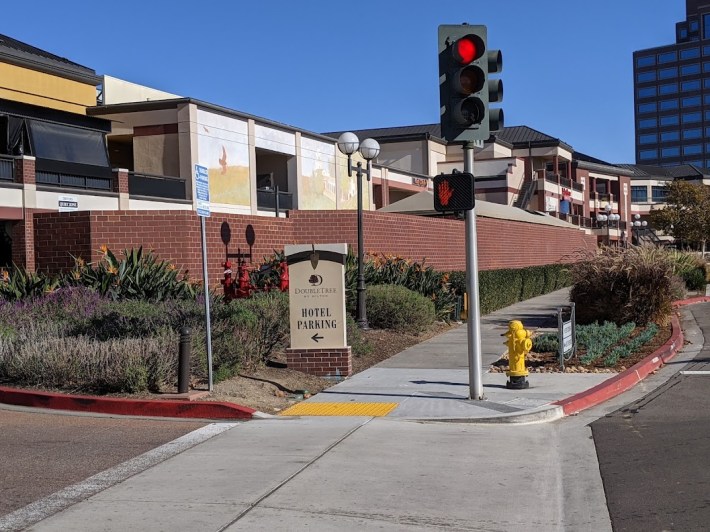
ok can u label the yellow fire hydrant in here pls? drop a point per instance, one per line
(519, 344)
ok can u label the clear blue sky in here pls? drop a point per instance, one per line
(317, 66)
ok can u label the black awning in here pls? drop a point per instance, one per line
(58, 142)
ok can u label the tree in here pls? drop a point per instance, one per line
(686, 215)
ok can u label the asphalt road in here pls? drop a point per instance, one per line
(654, 453)
(45, 452)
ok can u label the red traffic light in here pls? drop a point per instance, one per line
(467, 49)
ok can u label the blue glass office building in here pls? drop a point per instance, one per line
(672, 95)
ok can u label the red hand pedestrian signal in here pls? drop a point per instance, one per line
(445, 192)
(454, 192)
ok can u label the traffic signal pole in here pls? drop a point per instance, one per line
(473, 324)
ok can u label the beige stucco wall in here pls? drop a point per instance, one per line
(157, 154)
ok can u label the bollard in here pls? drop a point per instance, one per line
(184, 360)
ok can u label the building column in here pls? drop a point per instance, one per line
(23, 234)
(120, 185)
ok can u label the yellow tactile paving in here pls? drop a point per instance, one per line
(339, 409)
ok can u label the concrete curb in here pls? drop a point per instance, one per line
(541, 414)
(127, 407)
(635, 374)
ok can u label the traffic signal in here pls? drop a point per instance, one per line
(465, 89)
(454, 192)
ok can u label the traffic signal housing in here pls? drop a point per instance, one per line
(465, 88)
(454, 192)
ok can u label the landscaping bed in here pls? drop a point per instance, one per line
(549, 361)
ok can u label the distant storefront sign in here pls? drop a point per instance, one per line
(68, 203)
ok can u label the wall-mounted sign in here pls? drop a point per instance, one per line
(420, 182)
(316, 274)
(68, 203)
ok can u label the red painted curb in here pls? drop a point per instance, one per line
(691, 301)
(630, 377)
(125, 407)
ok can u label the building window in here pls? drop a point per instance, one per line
(643, 77)
(693, 149)
(639, 194)
(682, 34)
(706, 99)
(659, 193)
(690, 53)
(670, 136)
(667, 105)
(671, 120)
(668, 73)
(647, 107)
(695, 133)
(691, 85)
(644, 155)
(647, 92)
(648, 139)
(706, 26)
(691, 101)
(647, 60)
(689, 118)
(688, 70)
(648, 123)
(707, 116)
(670, 152)
(706, 50)
(707, 148)
(667, 57)
(693, 26)
(667, 88)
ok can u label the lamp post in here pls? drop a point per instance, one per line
(608, 218)
(639, 225)
(348, 143)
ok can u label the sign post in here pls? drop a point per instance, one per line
(202, 195)
(566, 334)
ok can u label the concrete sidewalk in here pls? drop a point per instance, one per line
(431, 381)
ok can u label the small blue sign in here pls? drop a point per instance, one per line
(202, 190)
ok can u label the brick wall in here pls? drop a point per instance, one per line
(175, 236)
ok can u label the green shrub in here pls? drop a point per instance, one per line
(245, 333)
(625, 285)
(546, 343)
(137, 275)
(386, 269)
(398, 308)
(359, 345)
(19, 283)
(597, 339)
(628, 348)
(40, 356)
(694, 279)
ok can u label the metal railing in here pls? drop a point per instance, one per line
(156, 186)
(578, 220)
(525, 194)
(73, 181)
(273, 199)
(7, 169)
